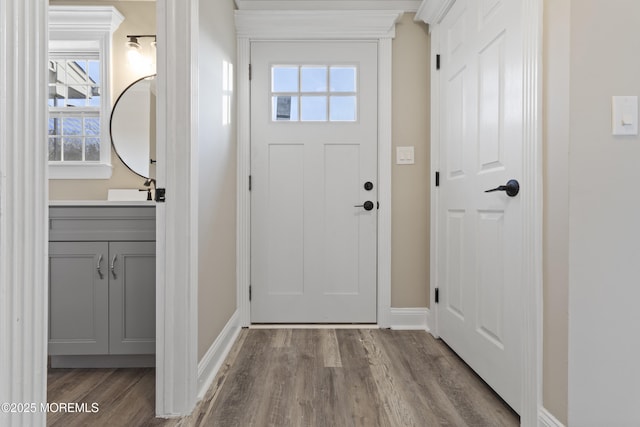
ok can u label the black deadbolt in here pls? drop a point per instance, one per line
(368, 205)
(368, 185)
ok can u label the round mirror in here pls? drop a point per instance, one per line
(133, 125)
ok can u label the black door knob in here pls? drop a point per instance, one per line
(368, 205)
(512, 188)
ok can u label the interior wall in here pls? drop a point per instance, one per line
(411, 183)
(556, 137)
(140, 18)
(217, 175)
(604, 239)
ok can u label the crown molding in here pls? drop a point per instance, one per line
(402, 5)
(432, 11)
(84, 18)
(317, 24)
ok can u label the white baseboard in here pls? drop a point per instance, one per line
(410, 318)
(210, 364)
(545, 419)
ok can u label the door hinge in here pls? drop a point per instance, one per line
(437, 179)
(249, 292)
(437, 61)
(437, 295)
(249, 71)
(249, 182)
(160, 195)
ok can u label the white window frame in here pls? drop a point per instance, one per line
(81, 29)
(327, 94)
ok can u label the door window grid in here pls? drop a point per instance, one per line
(314, 93)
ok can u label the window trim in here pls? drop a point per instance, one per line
(78, 28)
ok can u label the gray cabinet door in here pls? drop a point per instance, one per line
(78, 298)
(132, 290)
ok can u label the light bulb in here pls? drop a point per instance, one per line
(137, 60)
(132, 43)
(134, 57)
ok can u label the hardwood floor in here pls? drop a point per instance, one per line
(305, 377)
(125, 397)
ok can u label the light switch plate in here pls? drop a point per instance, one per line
(624, 115)
(405, 155)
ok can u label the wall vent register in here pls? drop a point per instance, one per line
(314, 93)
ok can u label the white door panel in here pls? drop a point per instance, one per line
(313, 252)
(481, 148)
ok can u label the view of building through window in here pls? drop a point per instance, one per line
(74, 109)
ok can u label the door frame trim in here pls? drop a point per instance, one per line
(23, 208)
(177, 219)
(256, 25)
(532, 201)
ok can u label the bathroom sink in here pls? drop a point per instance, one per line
(126, 194)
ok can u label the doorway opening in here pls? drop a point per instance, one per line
(316, 25)
(102, 279)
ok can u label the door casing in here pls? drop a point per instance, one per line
(255, 25)
(432, 12)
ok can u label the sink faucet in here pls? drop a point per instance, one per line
(148, 183)
(148, 190)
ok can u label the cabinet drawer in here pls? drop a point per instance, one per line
(94, 223)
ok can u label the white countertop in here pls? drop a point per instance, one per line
(102, 203)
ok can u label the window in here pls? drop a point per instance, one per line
(74, 109)
(314, 93)
(227, 91)
(79, 102)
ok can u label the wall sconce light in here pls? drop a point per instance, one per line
(133, 43)
(135, 54)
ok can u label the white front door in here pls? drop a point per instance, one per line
(480, 234)
(313, 161)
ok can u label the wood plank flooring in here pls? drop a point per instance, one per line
(122, 395)
(304, 377)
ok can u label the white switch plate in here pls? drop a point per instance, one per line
(405, 155)
(624, 115)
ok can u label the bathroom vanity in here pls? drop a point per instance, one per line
(102, 284)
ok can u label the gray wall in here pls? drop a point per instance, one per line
(591, 229)
(556, 137)
(411, 183)
(604, 203)
(217, 171)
